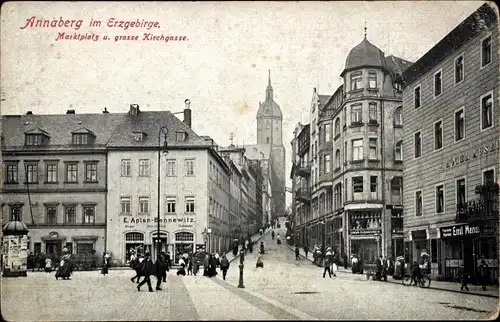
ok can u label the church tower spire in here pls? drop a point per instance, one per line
(269, 90)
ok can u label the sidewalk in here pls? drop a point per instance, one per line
(491, 291)
(255, 238)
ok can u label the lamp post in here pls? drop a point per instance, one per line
(163, 130)
(242, 259)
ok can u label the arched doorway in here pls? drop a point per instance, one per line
(134, 241)
(183, 243)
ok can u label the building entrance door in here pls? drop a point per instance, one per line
(53, 248)
(160, 243)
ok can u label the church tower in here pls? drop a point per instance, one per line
(269, 119)
(270, 133)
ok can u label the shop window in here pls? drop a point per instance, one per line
(134, 236)
(184, 236)
(84, 248)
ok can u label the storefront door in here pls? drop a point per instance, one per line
(53, 248)
(160, 243)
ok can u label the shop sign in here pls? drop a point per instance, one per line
(459, 230)
(470, 155)
(181, 220)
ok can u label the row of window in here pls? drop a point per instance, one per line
(51, 214)
(144, 167)
(439, 193)
(458, 66)
(357, 82)
(217, 210)
(42, 139)
(144, 205)
(221, 179)
(459, 125)
(32, 174)
(356, 119)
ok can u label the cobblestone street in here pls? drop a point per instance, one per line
(285, 289)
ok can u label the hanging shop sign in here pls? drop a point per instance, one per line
(473, 154)
(460, 230)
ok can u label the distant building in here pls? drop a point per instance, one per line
(451, 150)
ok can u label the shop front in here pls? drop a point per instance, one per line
(468, 245)
(139, 235)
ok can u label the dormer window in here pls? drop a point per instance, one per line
(33, 139)
(181, 136)
(139, 136)
(82, 136)
(36, 137)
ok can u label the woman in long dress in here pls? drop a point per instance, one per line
(212, 266)
(65, 266)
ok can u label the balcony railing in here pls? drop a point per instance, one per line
(303, 195)
(477, 210)
(303, 169)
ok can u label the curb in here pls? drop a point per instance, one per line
(431, 287)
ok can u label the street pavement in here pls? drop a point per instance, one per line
(285, 289)
(491, 291)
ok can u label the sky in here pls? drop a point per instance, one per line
(222, 66)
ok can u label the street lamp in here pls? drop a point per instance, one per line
(163, 130)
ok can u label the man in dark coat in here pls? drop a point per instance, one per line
(146, 269)
(160, 271)
(212, 266)
(166, 259)
(297, 253)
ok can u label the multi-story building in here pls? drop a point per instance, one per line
(235, 199)
(191, 196)
(450, 146)
(54, 179)
(356, 196)
(301, 187)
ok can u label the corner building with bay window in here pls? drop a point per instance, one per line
(349, 194)
(193, 178)
(451, 148)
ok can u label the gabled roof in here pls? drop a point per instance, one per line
(396, 65)
(323, 99)
(82, 130)
(37, 131)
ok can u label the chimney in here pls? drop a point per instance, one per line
(70, 112)
(29, 113)
(134, 109)
(105, 111)
(187, 112)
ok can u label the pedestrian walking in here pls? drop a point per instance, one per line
(463, 278)
(212, 266)
(327, 262)
(297, 253)
(160, 271)
(483, 273)
(48, 265)
(190, 266)
(146, 269)
(206, 263)
(136, 265)
(105, 263)
(166, 259)
(261, 231)
(217, 258)
(261, 248)
(272, 234)
(306, 249)
(182, 270)
(224, 266)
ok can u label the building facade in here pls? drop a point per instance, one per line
(355, 162)
(190, 200)
(450, 145)
(54, 179)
